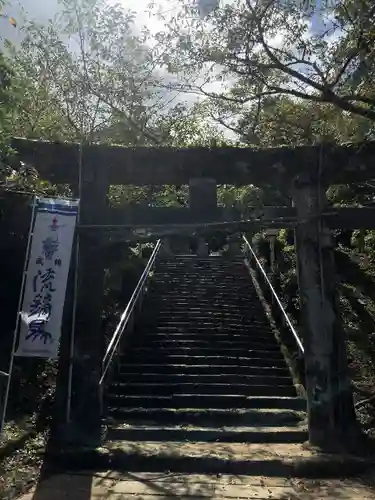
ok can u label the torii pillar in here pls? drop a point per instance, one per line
(84, 425)
(331, 413)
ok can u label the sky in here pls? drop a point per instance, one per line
(42, 10)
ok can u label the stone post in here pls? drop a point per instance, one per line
(295, 237)
(85, 425)
(331, 413)
(202, 250)
(203, 205)
(165, 250)
(271, 235)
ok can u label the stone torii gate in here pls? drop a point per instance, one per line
(304, 173)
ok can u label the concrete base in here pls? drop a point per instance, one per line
(72, 434)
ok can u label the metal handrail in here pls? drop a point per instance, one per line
(126, 315)
(295, 334)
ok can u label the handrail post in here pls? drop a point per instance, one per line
(273, 292)
(126, 322)
(101, 398)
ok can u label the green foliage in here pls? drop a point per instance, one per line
(284, 82)
(86, 76)
(184, 127)
(286, 239)
(6, 102)
(284, 121)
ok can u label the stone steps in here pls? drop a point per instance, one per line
(188, 378)
(262, 417)
(271, 460)
(255, 331)
(204, 368)
(173, 388)
(203, 383)
(167, 341)
(212, 338)
(250, 327)
(223, 353)
(189, 318)
(197, 434)
(186, 400)
(204, 360)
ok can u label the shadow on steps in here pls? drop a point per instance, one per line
(114, 485)
(312, 467)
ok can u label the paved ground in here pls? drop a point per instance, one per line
(278, 482)
(159, 486)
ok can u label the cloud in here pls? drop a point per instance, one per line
(167, 8)
(43, 10)
(36, 10)
(40, 10)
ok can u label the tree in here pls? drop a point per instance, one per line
(6, 100)
(37, 112)
(91, 68)
(189, 126)
(264, 49)
(284, 121)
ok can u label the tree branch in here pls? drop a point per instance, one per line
(327, 94)
(132, 123)
(224, 124)
(343, 68)
(365, 401)
(358, 98)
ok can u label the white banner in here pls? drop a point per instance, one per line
(46, 278)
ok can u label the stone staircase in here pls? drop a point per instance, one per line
(203, 406)
(202, 371)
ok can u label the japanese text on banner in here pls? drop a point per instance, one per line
(46, 281)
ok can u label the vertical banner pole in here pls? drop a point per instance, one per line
(20, 300)
(72, 333)
(75, 296)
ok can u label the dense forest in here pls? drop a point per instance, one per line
(241, 73)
